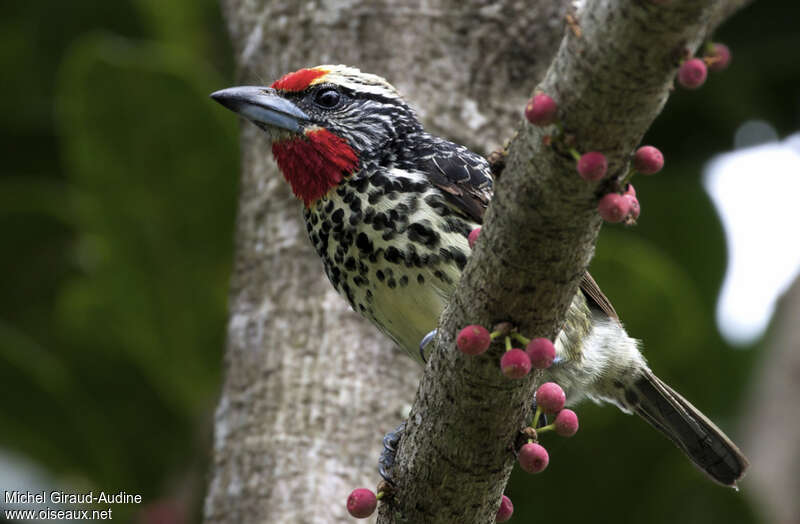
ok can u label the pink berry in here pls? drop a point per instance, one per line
(473, 340)
(720, 57)
(613, 207)
(630, 190)
(550, 398)
(505, 511)
(541, 110)
(592, 166)
(473, 237)
(542, 352)
(566, 423)
(692, 73)
(533, 458)
(635, 209)
(648, 160)
(361, 503)
(515, 363)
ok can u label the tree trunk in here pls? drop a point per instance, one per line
(310, 388)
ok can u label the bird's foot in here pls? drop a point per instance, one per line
(390, 443)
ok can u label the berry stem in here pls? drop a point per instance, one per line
(627, 178)
(521, 338)
(380, 495)
(508, 343)
(536, 417)
(549, 427)
(494, 334)
(574, 153)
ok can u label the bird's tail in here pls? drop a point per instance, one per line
(703, 442)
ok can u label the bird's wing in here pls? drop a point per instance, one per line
(593, 293)
(466, 180)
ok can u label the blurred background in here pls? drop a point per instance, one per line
(117, 206)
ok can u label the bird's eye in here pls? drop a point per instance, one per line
(327, 98)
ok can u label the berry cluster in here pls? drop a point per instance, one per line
(550, 399)
(693, 71)
(621, 204)
(593, 166)
(516, 363)
(539, 353)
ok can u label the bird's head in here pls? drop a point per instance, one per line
(324, 123)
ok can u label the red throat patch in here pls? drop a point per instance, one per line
(314, 164)
(298, 80)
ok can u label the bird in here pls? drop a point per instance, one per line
(389, 207)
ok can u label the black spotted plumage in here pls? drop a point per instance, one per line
(463, 177)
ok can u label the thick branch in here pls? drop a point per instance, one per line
(537, 241)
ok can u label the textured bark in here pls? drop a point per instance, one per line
(610, 79)
(310, 388)
(773, 428)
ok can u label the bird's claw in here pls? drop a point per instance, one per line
(424, 342)
(386, 461)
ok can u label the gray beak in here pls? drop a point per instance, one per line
(262, 105)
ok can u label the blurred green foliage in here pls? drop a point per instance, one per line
(117, 203)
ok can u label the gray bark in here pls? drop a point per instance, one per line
(773, 428)
(310, 388)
